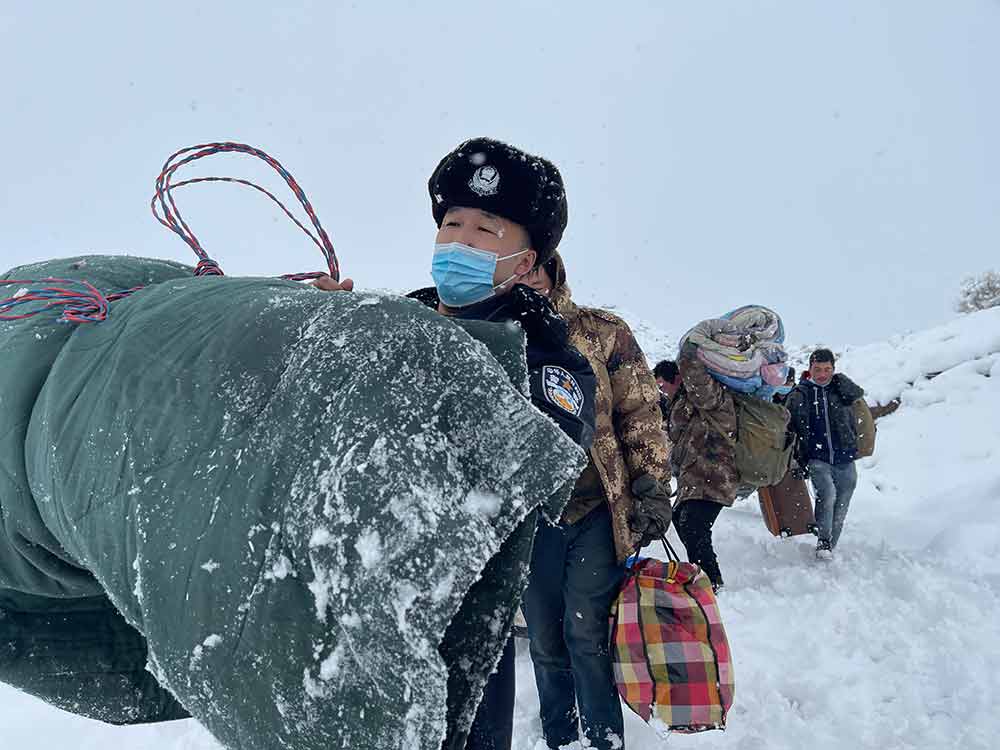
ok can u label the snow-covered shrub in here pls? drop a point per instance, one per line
(979, 292)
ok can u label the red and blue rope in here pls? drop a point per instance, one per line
(80, 302)
(83, 303)
(163, 202)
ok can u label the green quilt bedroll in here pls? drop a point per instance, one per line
(309, 514)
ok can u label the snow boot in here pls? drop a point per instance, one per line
(824, 551)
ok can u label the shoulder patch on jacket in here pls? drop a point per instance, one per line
(606, 315)
(561, 389)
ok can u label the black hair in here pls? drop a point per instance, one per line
(666, 369)
(791, 375)
(822, 355)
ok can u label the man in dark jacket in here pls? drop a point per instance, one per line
(823, 419)
(500, 213)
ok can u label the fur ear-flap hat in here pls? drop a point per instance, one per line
(499, 178)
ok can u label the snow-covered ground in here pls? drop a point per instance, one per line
(895, 644)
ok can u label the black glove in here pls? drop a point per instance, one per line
(800, 472)
(651, 515)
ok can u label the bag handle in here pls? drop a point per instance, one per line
(669, 549)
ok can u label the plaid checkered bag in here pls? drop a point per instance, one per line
(671, 657)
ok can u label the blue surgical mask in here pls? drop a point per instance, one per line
(463, 275)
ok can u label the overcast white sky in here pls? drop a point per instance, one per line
(837, 161)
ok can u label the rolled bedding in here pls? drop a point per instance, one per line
(303, 518)
(743, 350)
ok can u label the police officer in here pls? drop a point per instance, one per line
(500, 214)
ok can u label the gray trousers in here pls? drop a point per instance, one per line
(833, 484)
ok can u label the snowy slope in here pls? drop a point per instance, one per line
(892, 645)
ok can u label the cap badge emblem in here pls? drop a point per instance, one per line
(485, 181)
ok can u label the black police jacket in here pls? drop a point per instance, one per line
(562, 383)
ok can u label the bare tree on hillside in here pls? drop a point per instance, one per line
(979, 292)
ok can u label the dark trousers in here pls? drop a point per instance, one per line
(493, 728)
(693, 520)
(574, 580)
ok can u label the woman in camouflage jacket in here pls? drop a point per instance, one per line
(628, 441)
(620, 503)
(702, 459)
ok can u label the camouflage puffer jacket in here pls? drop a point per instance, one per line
(702, 459)
(628, 438)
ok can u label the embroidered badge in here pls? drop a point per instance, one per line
(562, 389)
(485, 181)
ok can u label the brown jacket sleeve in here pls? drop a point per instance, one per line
(636, 408)
(705, 392)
